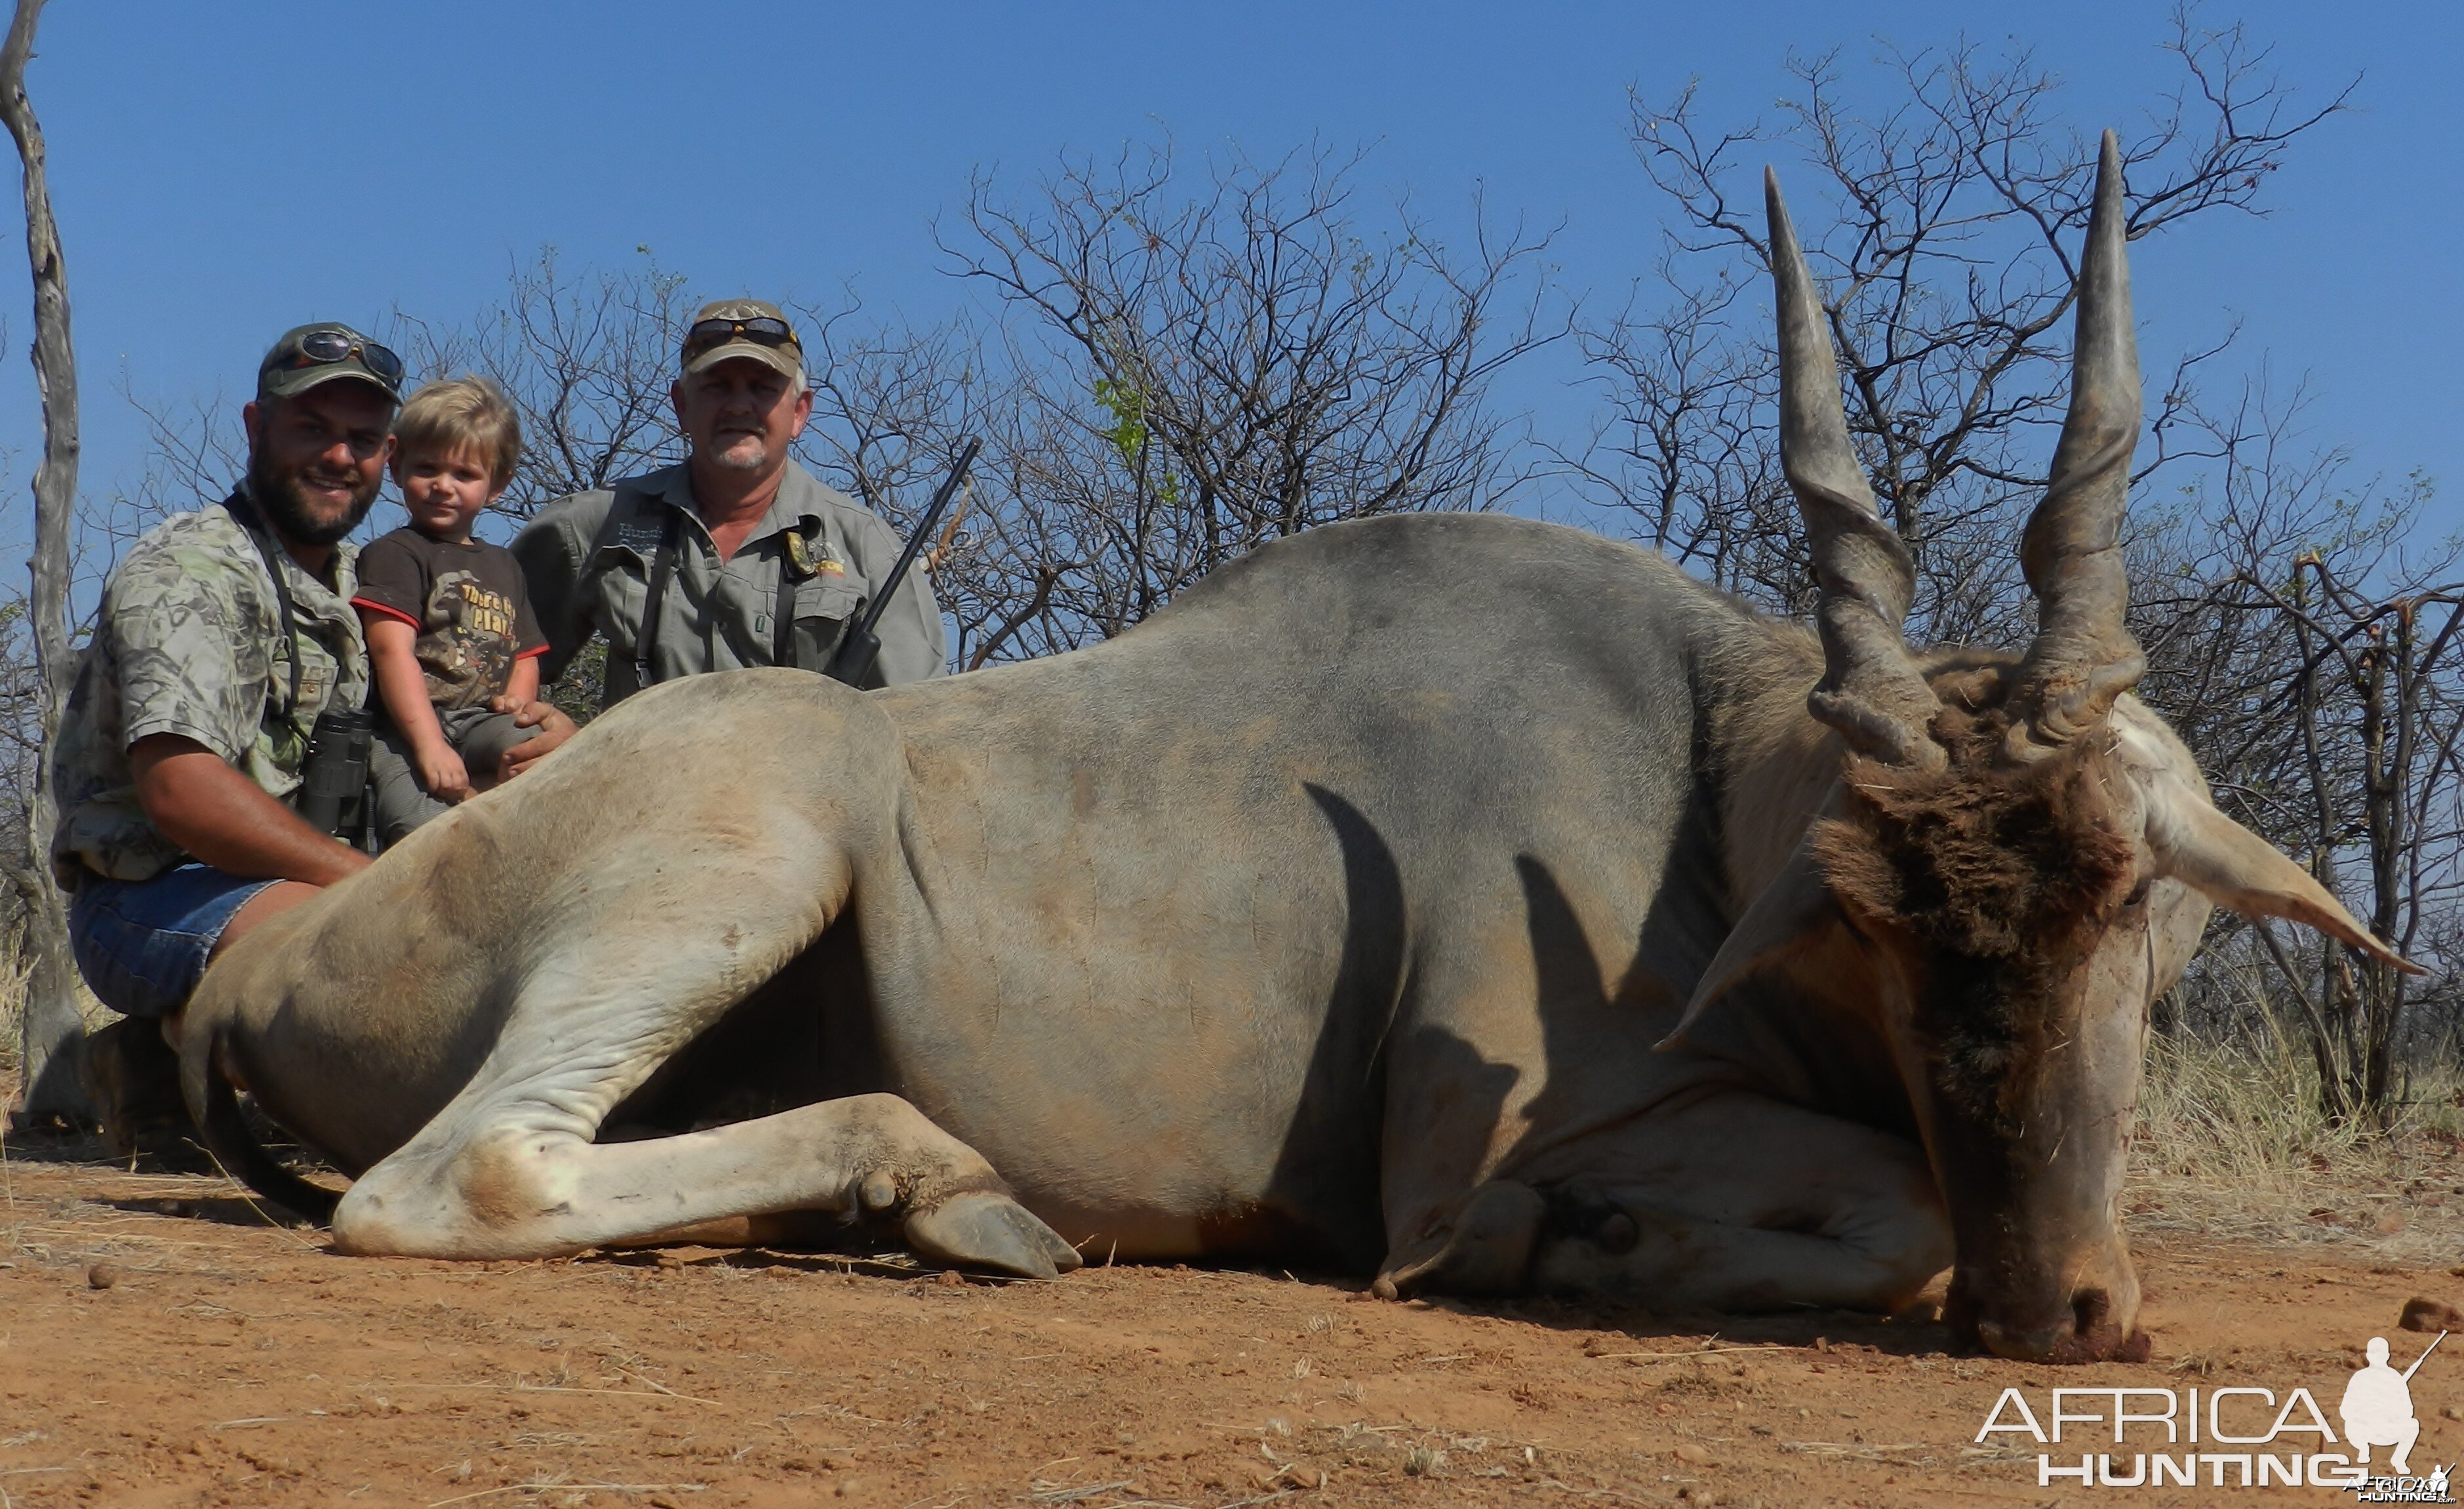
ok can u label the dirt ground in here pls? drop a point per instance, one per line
(162, 1342)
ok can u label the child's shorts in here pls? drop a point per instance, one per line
(479, 736)
(143, 944)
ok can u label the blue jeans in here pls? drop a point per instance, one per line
(142, 945)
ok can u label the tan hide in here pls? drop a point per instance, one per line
(1792, 912)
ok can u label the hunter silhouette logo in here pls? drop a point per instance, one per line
(2378, 1407)
(2233, 1436)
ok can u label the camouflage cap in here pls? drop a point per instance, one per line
(310, 354)
(759, 330)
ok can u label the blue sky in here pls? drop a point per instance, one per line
(224, 171)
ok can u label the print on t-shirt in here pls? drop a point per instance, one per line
(466, 599)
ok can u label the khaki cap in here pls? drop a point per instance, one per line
(309, 355)
(785, 356)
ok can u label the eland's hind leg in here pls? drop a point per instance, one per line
(628, 955)
(516, 1189)
(510, 1167)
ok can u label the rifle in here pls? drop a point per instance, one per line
(857, 653)
(2422, 1357)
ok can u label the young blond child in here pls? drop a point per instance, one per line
(448, 625)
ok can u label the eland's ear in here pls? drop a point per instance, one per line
(1794, 913)
(2235, 868)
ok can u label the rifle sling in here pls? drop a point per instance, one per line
(663, 566)
(782, 618)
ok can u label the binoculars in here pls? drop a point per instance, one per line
(334, 783)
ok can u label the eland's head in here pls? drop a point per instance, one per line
(2019, 856)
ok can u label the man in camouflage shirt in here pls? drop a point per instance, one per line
(187, 728)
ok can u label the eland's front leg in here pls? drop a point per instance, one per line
(1736, 1202)
(1742, 1203)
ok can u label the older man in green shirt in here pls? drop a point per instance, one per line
(736, 557)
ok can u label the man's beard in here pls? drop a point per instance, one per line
(277, 494)
(753, 459)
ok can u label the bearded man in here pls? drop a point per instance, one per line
(224, 634)
(736, 557)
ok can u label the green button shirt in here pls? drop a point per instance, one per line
(190, 641)
(587, 560)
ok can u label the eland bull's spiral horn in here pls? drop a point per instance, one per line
(2084, 656)
(1871, 691)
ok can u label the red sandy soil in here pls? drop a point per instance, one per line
(162, 1342)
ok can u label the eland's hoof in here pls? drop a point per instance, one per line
(993, 1231)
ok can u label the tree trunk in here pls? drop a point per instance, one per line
(52, 1025)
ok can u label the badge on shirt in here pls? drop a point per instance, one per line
(641, 536)
(804, 565)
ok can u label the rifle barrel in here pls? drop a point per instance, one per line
(2424, 1357)
(880, 602)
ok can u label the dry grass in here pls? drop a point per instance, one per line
(14, 969)
(12, 1015)
(2231, 1142)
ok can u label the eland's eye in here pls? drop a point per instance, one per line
(2138, 894)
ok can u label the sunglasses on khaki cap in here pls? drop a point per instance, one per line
(314, 354)
(746, 327)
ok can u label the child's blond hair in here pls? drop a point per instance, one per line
(464, 413)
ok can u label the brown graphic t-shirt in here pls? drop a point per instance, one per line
(467, 601)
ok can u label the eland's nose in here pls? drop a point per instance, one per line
(2090, 1333)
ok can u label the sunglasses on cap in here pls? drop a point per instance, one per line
(326, 348)
(760, 330)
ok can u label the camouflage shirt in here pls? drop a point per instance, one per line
(189, 641)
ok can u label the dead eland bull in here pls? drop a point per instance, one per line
(1334, 914)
